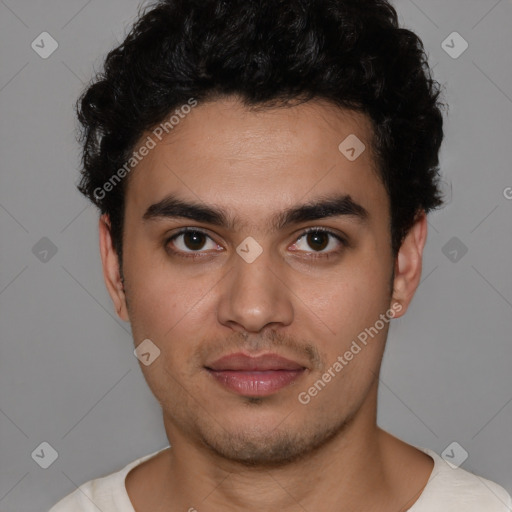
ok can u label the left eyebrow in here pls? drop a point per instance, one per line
(325, 207)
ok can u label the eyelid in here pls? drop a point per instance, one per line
(325, 255)
(322, 229)
(187, 229)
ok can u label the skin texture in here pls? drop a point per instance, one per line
(231, 452)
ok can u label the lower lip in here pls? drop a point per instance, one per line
(256, 383)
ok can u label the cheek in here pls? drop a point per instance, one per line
(351, 299)
(152, 308)
(174, 310)
(158, 296)
(159, 311)
(170, 319)
(349, 305)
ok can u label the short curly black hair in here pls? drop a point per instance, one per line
(351, 53)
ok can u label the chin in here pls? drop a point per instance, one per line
(256, 441)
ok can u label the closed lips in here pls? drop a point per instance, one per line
(243, 362)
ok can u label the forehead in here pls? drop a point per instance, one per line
(248, 161)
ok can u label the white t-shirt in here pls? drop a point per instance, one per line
(448, 490)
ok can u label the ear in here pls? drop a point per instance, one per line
(111, 272)
(408, 264)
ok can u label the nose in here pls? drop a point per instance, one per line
(255, 295)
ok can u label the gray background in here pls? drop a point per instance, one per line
(68, 375)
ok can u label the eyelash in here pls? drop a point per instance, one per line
(312, 255)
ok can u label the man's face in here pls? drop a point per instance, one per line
(305, 297)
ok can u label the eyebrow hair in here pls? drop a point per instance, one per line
(324, 207)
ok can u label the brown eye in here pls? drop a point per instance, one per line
(189, 241)
(194, 240)
(317, 240)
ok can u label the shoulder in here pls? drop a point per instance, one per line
(453, 488)
(91, 496)
(107, 493)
